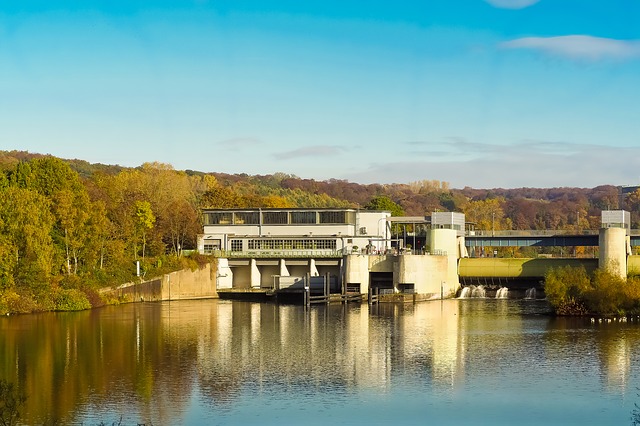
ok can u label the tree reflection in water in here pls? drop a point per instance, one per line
(635, 414)
(11, 401)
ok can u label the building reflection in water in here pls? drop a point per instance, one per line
(338, 346)
(151, 360)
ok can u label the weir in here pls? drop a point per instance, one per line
(349, 254)
(446, 269)
(271, 251)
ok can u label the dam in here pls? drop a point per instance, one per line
(278, 252)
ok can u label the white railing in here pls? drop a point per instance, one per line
(276, 254)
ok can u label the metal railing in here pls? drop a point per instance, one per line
(530, 233)
(539, 233)
(276, 254)
(279, 254)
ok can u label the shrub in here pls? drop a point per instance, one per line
(95, 300)
(607, 296)
(70, 300)
(566, 288)
(570, 291)
(8, 300)
(12, 302)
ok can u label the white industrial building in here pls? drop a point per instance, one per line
(292, 231)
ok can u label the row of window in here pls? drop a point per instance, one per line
(284, 244)
(279, 218)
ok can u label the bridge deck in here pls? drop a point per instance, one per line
(587, 238)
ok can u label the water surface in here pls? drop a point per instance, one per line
(474, 361)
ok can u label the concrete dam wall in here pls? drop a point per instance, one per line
(184, 284)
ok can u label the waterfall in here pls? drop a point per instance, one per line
(502, 293)
(478, 291)
(530, 293)
(472, 292)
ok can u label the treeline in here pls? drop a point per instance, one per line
(68, 227)
(520, 208)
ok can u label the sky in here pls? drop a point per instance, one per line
(478, 93)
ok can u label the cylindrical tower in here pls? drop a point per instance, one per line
(613, 250)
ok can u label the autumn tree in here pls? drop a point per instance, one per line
(486, 214)
(144, 220)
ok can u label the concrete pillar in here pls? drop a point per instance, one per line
(224, 274)
(613, 251)
(312, 268)
(356, 269)
(445, 242)
(284, 272)
(255, 274)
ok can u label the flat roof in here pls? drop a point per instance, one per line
(292, 209)
(409, 219)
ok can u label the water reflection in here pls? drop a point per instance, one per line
(192, 361)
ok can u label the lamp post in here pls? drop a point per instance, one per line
(493, 224)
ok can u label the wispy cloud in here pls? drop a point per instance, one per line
(311, 151)
(512, 4)
(240, 143)
(529, 163)
(578, 47)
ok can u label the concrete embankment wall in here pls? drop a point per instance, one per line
(184, 284)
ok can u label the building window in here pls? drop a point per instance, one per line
(275, 218)
(218, 218)
(236, 245)
(211, 245)
(302, 244)
(339, 217)
(303, 217)
(246, 218)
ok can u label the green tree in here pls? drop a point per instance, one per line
(69, 201)
(27, 248)
(70, 209)
(382, 202)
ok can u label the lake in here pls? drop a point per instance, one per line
(456, 362)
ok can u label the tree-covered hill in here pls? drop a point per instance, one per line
(68, 227)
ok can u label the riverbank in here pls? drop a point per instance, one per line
(572, 291)
(184, 284)
(183, 277)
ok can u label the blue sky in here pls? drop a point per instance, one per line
(480, 93)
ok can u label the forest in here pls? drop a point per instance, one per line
(69, 227)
